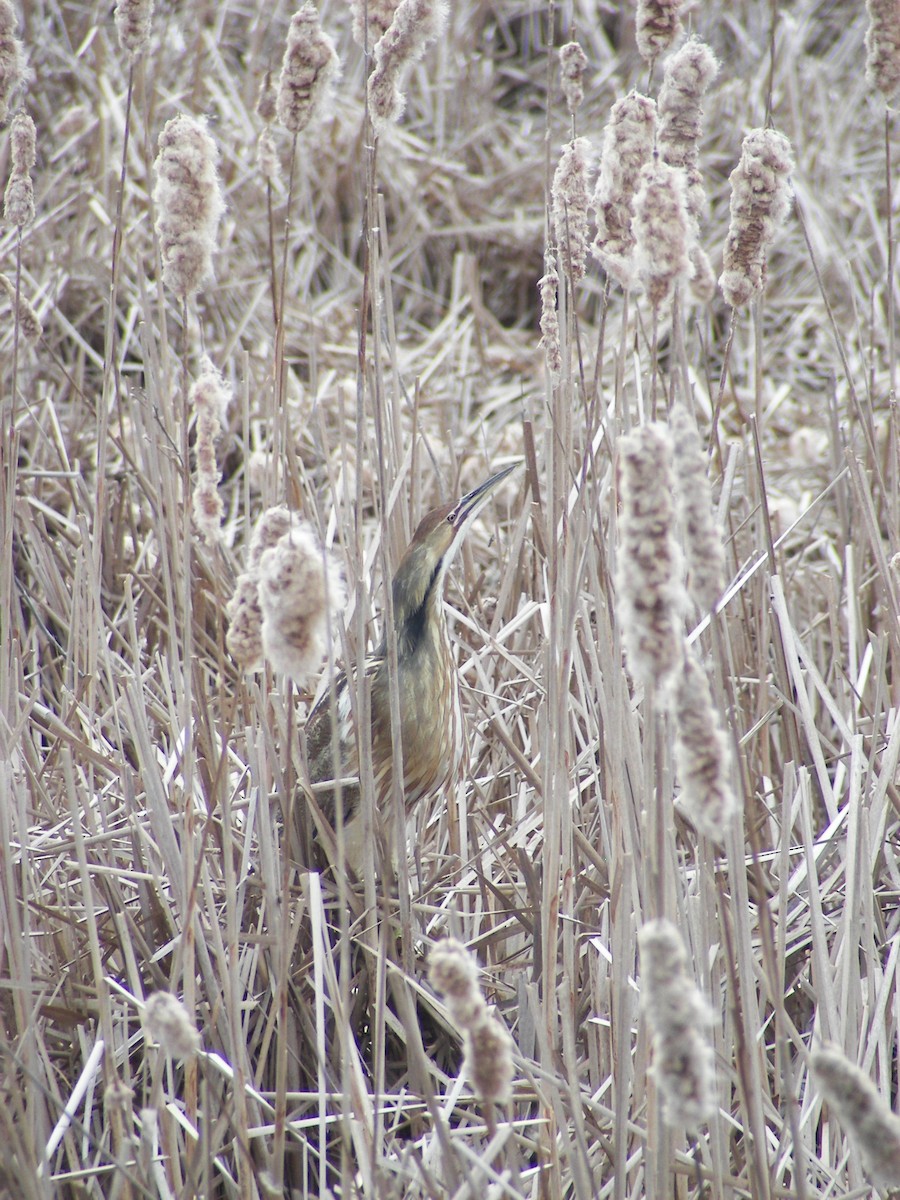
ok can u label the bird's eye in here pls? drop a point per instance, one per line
(453, 515)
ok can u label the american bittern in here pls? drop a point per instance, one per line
(432, 735)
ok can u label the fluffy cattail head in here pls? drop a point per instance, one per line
(168, 1023)
(12, 58)
(415, 24)
(569, 205)
(688, 74)
(487, 1055)
(883, 46)
(661, 230)
(18, 199)
(702, 537)
(300, 587)
(627, 146)
(760, 201)
(188, 203)
(872, 1127)
(657, 24)
(244, 637)
(308, 72)
(572, 65)
(30, 326)
(133, 21)
(271, 527)
(209, 399)
(679, 1017)
(549, 289)
(702, 760)
(453, 972)
(650, 592)
(376, 14)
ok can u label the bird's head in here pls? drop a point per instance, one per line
(420, 576)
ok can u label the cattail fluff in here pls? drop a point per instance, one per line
(12, 58)
(415, 24)
(209, 399)
(703, 277)
(627, 146)
(569, 205)
(704, 551)
(308, 72)
(760, 201)
(688, 74)
(680, 1017)
(661, 229)
(702, 760)
(133, 21)
(168, 1023)
(30, 326)
(188, 202)
(244, 637)
(487, 1044)
(300, 587)
(549, 289)
(266, 153)
(883, 46)
(376, 14)
(572, 65)
(18, 199)
(657, 24)
(873, 1127)
(651, 596)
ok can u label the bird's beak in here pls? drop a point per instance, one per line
(475, 500)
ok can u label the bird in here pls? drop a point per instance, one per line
(432, 732)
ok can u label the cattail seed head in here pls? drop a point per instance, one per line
(883, 46)
(168, 1023)
(30, 326)
(657, 24)
(549, 288)
(377, 13)
(688, 74)
(453, 972)
(572, 65)
(12, 58)
(415, 24)
(661, 230)
(18, 199)
(703, 277)
(487, 1055)
(651, 596)
(679, 1017)
(271, 527)
(267, 158)
(209, 398)
(702, 760)
(702, 538)
(133, 21)
(22, 143)
(308, 73)
(627, 146)
(872, 1127)
(300, 587)
(244, 637)
(188, 202)
(266, 99)
(760, 201)
(569, 205)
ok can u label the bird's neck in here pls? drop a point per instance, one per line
(418, 615)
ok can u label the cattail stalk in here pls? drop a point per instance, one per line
(569, 205)
(873, 1127)
(308, 72)
(627, 146)
(12, 58)
(415, 24)
(680, 1017)
(760, 202)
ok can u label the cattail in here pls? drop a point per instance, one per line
(168, 1023)
(702, 538)
(188, 201)
(268, 531)
(299, 587)
(873, 1128)
(30, 326)
(267, 158)
(679, 1016)
(657, 24)
(703, 277)
(572, 65)
(266, 100)
(415, 24)
(209, 398)
(377, 14)
(701, 754)
(569, 205)
(549, 288)
(661, 230)
(18, 199)
(760, 201)
(308, 72)
(487, 1045)
(627, 146)
(883, 46)
(12, 58)
(651, 596)
(133, 21)
(244, 637)
(688, 74)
